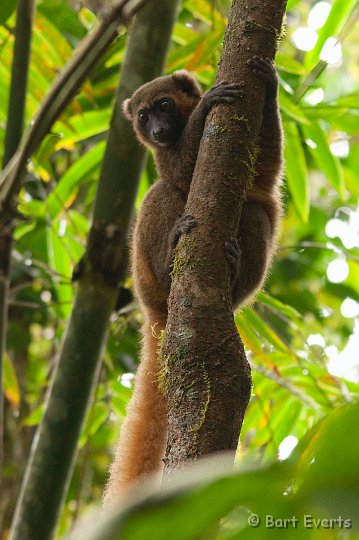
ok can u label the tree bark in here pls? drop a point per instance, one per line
(209, 380)
(54, 449)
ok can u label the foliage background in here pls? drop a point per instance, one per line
(301, 336)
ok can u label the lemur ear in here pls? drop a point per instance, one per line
(126, 108)
(187, 83)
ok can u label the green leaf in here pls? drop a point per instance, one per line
(289, 64)
(288, 418)
(11, 385)
(50, 42)
(285, 309)
(33, 239)
(195, 51)
(349, 100)
(191, 514)
(204, 11)
(296, 170)
(63, 17)
(249, 335)
(339, 116)
(35, 417)
(337, 18)
(329, 164)
(73, 178)
(6, 10)
(331, 444)
(182, 34)
(82, 126)
(97, 417)
(264, 329)
(291, 109)
(292, 3)
(61, 259)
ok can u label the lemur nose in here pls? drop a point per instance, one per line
(157, 132)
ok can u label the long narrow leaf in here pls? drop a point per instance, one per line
(11, 385)
(265, 330)
(81, 127)
(296, 170)
(285, 309)
(73, 178)
(248, 335)
(291, 109)
(7, 8)
(329, 164)
(338, 16)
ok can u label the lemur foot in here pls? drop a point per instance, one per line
(264, 69)
(223, 92)
(183, 225)
(233, 253)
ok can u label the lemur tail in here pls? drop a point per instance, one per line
(142, 441)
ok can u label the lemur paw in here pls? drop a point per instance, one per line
(264, 69)
(183, 225)
(233, 253)
(223, 92)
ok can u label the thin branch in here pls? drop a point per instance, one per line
(37, 305)
(19, 75)
(54, 274)
(295, 328)
(326, 247)
(308, 82)
(284, 383)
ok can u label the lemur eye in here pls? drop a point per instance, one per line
(143, 117)
(166, 105)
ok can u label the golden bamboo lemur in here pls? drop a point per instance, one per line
(168, 115)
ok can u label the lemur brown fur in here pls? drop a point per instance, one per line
(168, 115)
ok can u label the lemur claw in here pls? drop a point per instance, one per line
(264, 69)
(183, 225)
(233, 253)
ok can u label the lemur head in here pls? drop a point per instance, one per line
(159, 109)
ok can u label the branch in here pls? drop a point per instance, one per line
(19, 75)
(284, 383)
(325, 247)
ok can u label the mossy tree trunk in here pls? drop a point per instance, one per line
(209, 377)
(54, 449)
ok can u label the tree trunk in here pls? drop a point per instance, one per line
(209, 380)
(14, 129)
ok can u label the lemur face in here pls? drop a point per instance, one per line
(159, 123)
(159, 110)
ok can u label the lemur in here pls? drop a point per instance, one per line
(168, 116)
